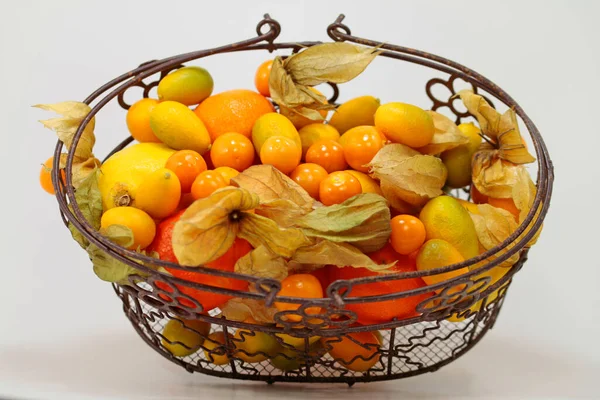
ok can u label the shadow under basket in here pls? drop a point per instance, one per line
(455, 316)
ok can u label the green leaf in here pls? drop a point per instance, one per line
(108, 268)
(72, 113)
(363, 221)
(325, 252)
(259, 230)
(291, 79)
(337, 62)
(89, 200)
(263, 263)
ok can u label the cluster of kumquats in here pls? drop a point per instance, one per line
(193, 143)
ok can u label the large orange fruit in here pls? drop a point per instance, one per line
(163, 246)
(384, 311)
(232, 111)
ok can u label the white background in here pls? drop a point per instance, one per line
(62, 331)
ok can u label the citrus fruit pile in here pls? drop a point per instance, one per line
(278, 183)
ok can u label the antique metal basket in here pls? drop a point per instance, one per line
(409, 347)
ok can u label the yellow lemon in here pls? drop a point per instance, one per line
(190, 333)
(405, 123)
(159, 194)
(458, 160)
(356, 112)
(312, 133)
(254, 346)
(273, 124)
(187, 85)
(178, 127)
(369, 185)
(141, 224)
(215, 349)
(125, 170)
(471, 207)
(437, 253)
(445, 218)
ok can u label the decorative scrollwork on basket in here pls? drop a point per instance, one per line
(453, 298)
(147, 87)
(315, 322)
(449, 102)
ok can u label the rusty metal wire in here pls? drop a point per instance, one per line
(409, 346)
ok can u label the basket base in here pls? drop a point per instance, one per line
(407, 350)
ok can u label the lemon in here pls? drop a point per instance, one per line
(315, 132)
(141, 224)
(178, 127)
(405, 123)
(188, 85)
(471, 131)
(369, 185)
(437, 253)
(475, 307)
(190, 333)
(125, 170)
(159, 194)
(249, 343)
(215, 349)
(458, 164)
(458, 160)
(469, 206)
(273, 124)
(356, 112)
(297, 342)
(445, 218)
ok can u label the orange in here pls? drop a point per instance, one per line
(226, 262)
(408, 234)
(360, 146)
(207, 183)
(46, 176)
(138, 120)
(405, 123)
(273, 124)
(227, 173)
(315, 132)
(300, 285)
(261, 79)
(232, 111)
(476, 196)
(338, 187)
(282, 153)
(327, 153)
(187, 165)
(369, 185)
(506, 204)
(383, 311)
(232, 150)
(357, 351)
(309, 176)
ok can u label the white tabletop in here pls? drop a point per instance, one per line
(62, 331)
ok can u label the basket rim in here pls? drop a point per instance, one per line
(71, 212)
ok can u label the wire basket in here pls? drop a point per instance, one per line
(455, 316)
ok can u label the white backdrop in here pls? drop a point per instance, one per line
(62, 331)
